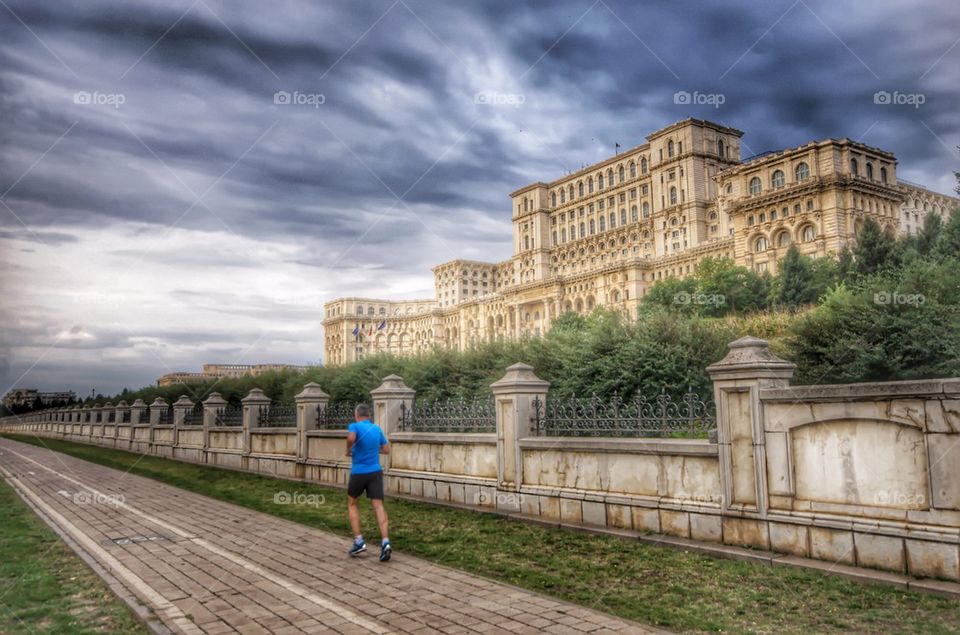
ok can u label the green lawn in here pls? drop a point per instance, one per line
(656, 585)
(44, 586)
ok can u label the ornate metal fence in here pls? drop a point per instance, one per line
(194, 416)
(661, 416)
(455, 415)
(229, 417)
(111, 416)
(166, 417)
(125, 416)
(336, 416)
(277, 415)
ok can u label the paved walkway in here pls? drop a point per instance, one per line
(205, 566)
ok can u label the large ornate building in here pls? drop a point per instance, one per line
(605, 234)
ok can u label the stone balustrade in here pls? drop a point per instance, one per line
(863, 474)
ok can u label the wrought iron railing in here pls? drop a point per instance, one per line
(229, 417)
(125, 416)
(661, 416)
(112, 416)
(194, 416)
(454, 415)
(277, 415)
(336, 416)
(166, 416)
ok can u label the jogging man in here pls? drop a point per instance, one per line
(365, 443)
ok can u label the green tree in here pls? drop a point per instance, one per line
(875, 251)
(795, 284)
(929, 233)
(948, 241)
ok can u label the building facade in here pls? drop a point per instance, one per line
(213, 372)
(605, 234)
(28, 396)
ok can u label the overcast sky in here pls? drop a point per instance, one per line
(188, 181)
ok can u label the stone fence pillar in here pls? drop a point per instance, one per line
(214, 403)
(139, 412)
(737, 379)
(181, 407)
(388, 398)
(514, 397)
(252, 404)
(310, 403)
(158, 406)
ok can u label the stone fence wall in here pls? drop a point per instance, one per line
(863, 474)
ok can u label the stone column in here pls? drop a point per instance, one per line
(514, 397)
(139, 412)
(211, 406)
(180, 409)
(122, 408)
(310, 402)
(158, 406)
(387, 399)
(737, 379)
(252, 403)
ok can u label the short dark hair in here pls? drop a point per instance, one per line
(362, 410)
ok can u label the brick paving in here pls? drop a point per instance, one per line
(205, 566)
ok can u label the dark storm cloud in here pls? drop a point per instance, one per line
(315, 186)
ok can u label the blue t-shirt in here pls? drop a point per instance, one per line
(366, 450)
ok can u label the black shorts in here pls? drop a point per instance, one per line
(371, 483)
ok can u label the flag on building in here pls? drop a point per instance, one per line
(382, 326)
(356, 330)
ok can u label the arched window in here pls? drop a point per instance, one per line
(603, 224)
(670, 148)
(583, 230)
(646, 209)
(633, 169)
(760, 244)
(854, 167)
(600, 181)
(613, 220)
(610, 177)
(563, 235)
(783, 239)
(593, 227)
(673, 196)
(755, 185)
(643, 164)
(359, 309)
(580, 188)
(526, 242)
(778, 179)
(571, 191)
(563, 198)
(802, 172)
(883, 175)
(749, 220)
(623, 215)
(808, 233)
(620, 174)
(553, 199)
(371, 311)
(590, 184)
(720, 148)
(870, 171)
(554, 237)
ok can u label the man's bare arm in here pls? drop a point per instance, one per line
(351, 439)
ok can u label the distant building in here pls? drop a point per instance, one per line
(213, 372)
(607, 233)
(27, 397)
